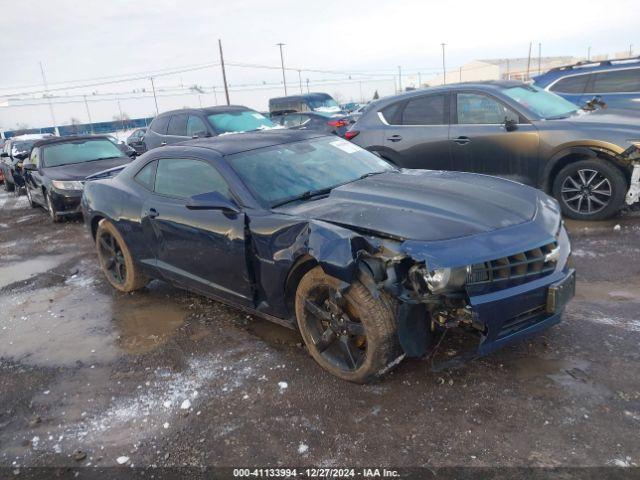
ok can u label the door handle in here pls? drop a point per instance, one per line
(462, 140)
(162, 144)
(394, 138)
(153, 213)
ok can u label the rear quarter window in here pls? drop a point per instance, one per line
(572, 84)
(159, 124)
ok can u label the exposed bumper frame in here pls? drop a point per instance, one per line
(633, 194)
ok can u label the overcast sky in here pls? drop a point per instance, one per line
(88, 39)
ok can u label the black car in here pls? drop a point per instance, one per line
(587, 160)
(57, 168)
(136, 140)
(371, 263)
(180, 125)
(336, 124)
(14, 152)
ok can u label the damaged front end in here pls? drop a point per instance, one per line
(501, 287)
(631, 156)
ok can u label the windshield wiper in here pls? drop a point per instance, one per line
(370, 174)
(304, 196)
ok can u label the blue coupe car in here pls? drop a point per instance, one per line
(370, 262)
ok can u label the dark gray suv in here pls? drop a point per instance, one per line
(589, 161)
(180, 125)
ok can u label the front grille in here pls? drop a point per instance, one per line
(522, 321)
(514, 269)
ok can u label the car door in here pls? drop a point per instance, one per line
(482, 142)
(418, 131)
(177, 129)
(157, 132)
(199, 249)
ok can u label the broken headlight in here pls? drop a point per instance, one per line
(442, 280)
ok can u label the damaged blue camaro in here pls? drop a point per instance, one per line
(371, 263)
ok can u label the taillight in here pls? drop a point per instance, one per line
(338, 123)
(350, 134)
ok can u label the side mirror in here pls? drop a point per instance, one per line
(510, 125)
(212, 201)
(30, 167)
(201, 134)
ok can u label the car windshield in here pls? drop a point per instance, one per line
(324, 104)
(79, 151)
(240, 121)
(545, 104)
(285, 172)
(21, 147)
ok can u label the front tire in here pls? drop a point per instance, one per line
(592, 189)
(354, 336)
(116, 260)
(51, 209)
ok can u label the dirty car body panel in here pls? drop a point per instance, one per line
(395, 230)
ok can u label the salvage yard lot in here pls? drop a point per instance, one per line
(164, 377)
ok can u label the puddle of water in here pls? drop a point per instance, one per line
(24, 269)
(72, 323)
(608, 291)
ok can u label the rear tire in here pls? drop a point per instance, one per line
(591, 189)
(116, 260)
(360, 348)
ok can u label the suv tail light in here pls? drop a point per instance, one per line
(350, 134)
(338, 123)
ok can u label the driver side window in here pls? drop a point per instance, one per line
(475, 108)
(195, 126)
(185, 177)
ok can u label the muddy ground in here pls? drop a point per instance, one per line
(167, 378)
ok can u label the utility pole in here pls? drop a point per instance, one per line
(300, 80)
(46, 92)
(215, 95)
(307, 85)
(539, 58)
(399, 79)
(631, 50)
(588, 54)
(224, 73)
(86, 104)
(528, 63)
(121, 116)
(284, 78)
(155, 99)
(444, 68)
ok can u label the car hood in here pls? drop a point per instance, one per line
(424, 205)
(79, 171)
(606, 118)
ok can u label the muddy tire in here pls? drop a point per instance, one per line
(51, 210)
(116, 261)
(592, 189)
(353, 337)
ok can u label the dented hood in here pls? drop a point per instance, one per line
(424, 205)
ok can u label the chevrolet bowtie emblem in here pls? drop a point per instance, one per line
(553, 255)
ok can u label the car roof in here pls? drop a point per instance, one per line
(207, 110)
(488, 85)
(229, 144)
(586, 67)
(70, 138)
(302, 96)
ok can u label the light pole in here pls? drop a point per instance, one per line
(284, 79)
(155, 99)
(588, 53)
(444, 68)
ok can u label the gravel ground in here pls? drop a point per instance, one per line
(91, 377)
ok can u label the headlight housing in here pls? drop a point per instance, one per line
(67, 185)
(441, 280)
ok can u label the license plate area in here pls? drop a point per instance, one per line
(560, 293)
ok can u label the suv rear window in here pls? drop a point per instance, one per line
(159, 124)
(428, 110)
(617, 81)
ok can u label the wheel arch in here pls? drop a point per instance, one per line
(299, 269)
(576, 153)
